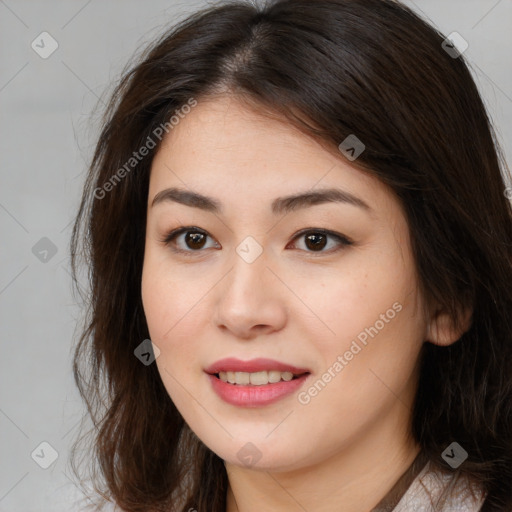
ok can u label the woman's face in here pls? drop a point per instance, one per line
(255, 279)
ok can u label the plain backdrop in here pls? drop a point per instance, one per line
(47, 137)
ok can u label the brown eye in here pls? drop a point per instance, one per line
(187, 240)
(191, 241)
(316, 241)
(195, 240)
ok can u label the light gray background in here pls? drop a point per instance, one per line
(47, 136)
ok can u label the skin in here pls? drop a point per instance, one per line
(352, 441)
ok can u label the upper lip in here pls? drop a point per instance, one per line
(231, 364)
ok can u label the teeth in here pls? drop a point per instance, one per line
(242, 378)
(256, 378)
(274, 376)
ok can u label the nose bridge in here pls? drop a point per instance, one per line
(249, 297)
(248, 269)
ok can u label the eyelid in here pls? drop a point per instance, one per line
(343, 240)
(169, 237)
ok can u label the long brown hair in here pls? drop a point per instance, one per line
(332, 68)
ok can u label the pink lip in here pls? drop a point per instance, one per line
(231, 364)
(254, 396)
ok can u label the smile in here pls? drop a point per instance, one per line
(254, 383)
(256, 378)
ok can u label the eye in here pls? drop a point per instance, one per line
(317, 239)
(194, 239)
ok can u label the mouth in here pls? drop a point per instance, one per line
(257, 378)
(255, 383)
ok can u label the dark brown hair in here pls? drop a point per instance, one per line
(332, 68)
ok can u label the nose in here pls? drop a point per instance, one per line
(250, 300)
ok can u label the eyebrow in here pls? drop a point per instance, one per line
(280, 205)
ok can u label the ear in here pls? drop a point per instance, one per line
(442, 331)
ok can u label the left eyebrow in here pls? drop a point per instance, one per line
(280, 205)
(307, 199)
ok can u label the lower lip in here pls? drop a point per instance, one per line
(255, 396)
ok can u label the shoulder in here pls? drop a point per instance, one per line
(435, 491)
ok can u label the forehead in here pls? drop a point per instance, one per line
(222, 148)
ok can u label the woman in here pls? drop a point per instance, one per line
(301, 206)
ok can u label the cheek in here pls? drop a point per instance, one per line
(171, 329)
(166, 298)
(163, 309)
(372, 318)
(157, 302)
(354, 297)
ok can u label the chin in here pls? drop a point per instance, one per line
(260, 454)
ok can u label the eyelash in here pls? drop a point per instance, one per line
(169, 237)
